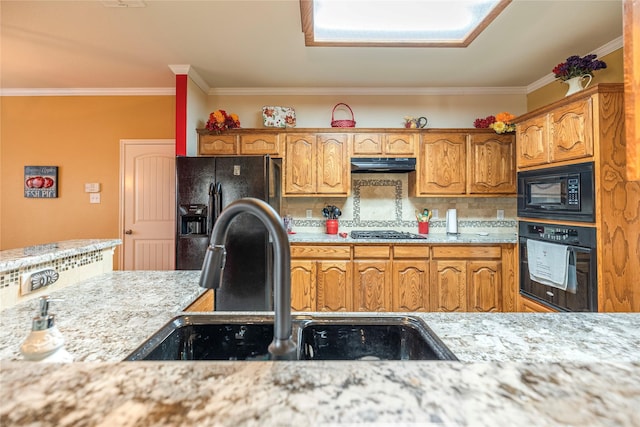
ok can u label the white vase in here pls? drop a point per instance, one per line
(575, 84)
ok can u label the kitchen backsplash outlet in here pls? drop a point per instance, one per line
(381, 201)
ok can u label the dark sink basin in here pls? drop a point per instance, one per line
(208, 338)
(239, 337)
(395, 339)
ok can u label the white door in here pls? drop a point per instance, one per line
(148, 200)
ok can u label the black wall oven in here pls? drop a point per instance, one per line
(561, 192)
(580, 291)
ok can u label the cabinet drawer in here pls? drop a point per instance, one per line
(267, 143)
(217, 144)
(466, 252)
(371, 252)
(411, 251)
(321, 252)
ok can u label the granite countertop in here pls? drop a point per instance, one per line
(431, 238)
(515, 369)
(16, 258)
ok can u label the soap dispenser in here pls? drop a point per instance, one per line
(45, 343)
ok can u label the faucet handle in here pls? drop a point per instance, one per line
(214, 261)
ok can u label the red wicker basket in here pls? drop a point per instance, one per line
(342, 123)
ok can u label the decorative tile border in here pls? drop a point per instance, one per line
(12, 277)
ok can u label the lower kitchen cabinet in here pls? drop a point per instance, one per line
(402, 278)
(334, 286)
(321, 278)
(530, 306)
(303, 285)
(371, 278)
(466, 278)
(448, 285)
(410, 284)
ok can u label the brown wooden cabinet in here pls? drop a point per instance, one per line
(529, 306)
(238, 142)
(303, 285)
(334, 286)
(564, 133)
(442, 164)
(316, 164)
(371, 278)
(466, 278)
(590, 126)
(384, 144)
(465, 163)
(321, 278)
(411, 278)
(492, 164)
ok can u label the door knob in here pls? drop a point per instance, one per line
(128, 232)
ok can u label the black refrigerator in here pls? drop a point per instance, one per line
(204, 187)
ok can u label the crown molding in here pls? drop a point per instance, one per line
(612, 46)
(126, 91)
(319, 91)
(193, 75)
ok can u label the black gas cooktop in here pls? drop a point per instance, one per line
(384, 234)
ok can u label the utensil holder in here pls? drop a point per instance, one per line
(423, 227)
(332, 226)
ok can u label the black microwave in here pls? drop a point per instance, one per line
(560, 192)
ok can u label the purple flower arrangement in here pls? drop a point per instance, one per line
(576, 66)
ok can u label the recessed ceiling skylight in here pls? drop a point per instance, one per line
(396, 23)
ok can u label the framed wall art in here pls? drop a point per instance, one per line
(41, 182)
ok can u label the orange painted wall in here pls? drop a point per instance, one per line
(81, 135)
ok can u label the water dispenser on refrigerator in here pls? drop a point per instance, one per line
(193, 219)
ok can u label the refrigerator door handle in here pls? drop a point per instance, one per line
(217, 201)
(211, 216)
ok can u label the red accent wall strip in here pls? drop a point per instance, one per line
(181, 114)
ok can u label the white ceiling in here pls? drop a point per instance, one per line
(259, 44)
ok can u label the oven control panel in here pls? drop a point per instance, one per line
(580, 236)
(554, 233)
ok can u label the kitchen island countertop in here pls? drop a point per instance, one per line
(515, 369)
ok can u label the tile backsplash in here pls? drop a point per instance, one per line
(382, 201)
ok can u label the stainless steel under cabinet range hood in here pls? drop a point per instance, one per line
(383, 164)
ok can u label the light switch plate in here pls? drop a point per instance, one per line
(309, 214)
(435, 214)
(500, 214)
(92, 187)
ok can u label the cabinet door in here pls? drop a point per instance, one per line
(333, 286)
(529, 306)
(442, 168)
(492, 164)
(371, 285)
(211, 145)
(532, 142)
(332, 164)
(367, 144)
(410, 285)
(303, 285)
(448, 286)
(484, 286)
(401, 144)
(571, 131)
(300, 164)
(260, 144)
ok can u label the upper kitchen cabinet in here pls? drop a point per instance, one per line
(316, 164)
(239, 142)
(465, 163)
(389, 144)
(567, 131)
(442, 164)
(492, 166)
